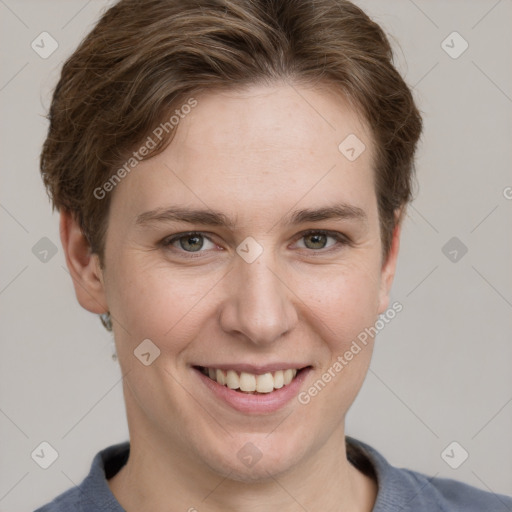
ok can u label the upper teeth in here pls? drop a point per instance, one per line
(244, 381)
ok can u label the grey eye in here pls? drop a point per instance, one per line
(191, 242)
(318, 240)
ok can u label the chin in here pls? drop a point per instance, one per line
(244, 461)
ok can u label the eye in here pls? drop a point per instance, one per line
(189, 242)
(317, 240)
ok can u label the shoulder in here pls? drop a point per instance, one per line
(407, 490)
(69, 500)
(93, 493)
(452, 495)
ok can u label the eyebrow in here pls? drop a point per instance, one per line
(214, 218)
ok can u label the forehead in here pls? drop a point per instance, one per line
(267, 119)
(252, 148)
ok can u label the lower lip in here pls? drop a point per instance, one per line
(259, 404)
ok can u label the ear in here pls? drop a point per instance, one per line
(389, 267)
(83, 265)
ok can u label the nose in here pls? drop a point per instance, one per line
(259, 305)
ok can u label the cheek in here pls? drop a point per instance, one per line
(342, 309)
(170, 306)
(344, 300)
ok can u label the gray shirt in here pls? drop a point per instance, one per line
(399, 489)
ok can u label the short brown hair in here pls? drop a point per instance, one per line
(144, 58)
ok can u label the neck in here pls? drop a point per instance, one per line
(156, 479)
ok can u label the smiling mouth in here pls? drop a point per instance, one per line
(245, 382)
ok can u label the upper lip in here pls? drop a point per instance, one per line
(255, 369)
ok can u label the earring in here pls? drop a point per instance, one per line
(106, 321)
(113, 348)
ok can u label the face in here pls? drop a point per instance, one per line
(255, 284)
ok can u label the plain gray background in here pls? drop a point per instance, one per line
(441, 371)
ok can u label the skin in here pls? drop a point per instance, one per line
(255, 155)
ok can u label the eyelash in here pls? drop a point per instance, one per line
(342, 240)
